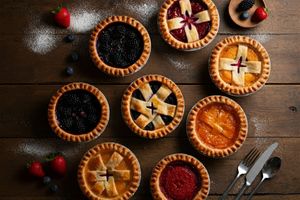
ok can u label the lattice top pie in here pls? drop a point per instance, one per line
(152, 106)
(188, 24)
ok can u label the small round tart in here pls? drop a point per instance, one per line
(188, 24)
(239, 65)
(120, 45)
(109, 171)
(179, 177)
(217, 126)
(78, 112)
(152, 106)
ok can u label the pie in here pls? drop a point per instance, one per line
(188, 24)
(78, 112)
(217, 126)
(239, 65)
(109, 171)
(152, 106)
(120, 45)
(179, 177)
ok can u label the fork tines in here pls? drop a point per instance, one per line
(251, 156)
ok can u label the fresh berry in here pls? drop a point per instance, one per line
(70, 38)
(244, 15)
(62, 16)
(245, 5)
(36, 169)
(54, 188)
(46, 180)
(74, 56)
(59, 165)
(69, 71)
(260, 14)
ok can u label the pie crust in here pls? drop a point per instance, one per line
(195, 44)
(243, 42)
(109, 171)
(198, 142)
(114, 71)
(100, 127)
(203, 192)
(157, 100)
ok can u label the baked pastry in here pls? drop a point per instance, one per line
(109, 171)
(188, 24)
(120, 45)
(239, 65)
(78, 112)
(217, 126)
(179, 176)
(152, 106)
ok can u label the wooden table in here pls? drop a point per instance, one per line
(27, 81)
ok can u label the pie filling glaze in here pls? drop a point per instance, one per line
(218, 125)
(153, 106)
(179, 181)
(120, 45)
(78, 111)
(188, 20)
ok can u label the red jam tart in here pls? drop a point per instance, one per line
(188, 24)
(179, 177)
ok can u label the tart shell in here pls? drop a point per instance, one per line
(97, 131)
(205, 149)
(114, 71)
(157, 170)
(125, 107)
(237, 90)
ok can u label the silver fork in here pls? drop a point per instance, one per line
(243, 168)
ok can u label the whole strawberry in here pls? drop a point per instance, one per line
(260, 14)
(62, 16)
(36, 169)
(59, 165)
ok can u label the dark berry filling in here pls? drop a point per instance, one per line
(179, 181)
(202, 28)
(120, 45)
(78, 111)
(171, 99)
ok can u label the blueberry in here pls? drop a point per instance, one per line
(244, 15)
(69, 71)
(74, 56)
(46, 180)
(70, 38)
(54, 188)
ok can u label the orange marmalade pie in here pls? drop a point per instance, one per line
(217, 126)
(109, 171)
(239, 65)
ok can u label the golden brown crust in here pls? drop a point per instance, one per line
(238, 90)
(199, 44)
(126, 100)
(113, 71)
(126, 153)
(201, 146)
(157, 170)
(97, 131)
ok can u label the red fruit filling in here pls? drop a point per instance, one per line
(179, 181)
(202, 28)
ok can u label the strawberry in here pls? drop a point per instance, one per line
(36, 169)
(260, 14)
(62, 16)
(59, 165)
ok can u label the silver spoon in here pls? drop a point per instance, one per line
(269, 170)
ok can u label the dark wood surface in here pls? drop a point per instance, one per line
(27, 81)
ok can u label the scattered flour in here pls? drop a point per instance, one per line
(178, 62)
(260, 125)
(262, 38)
(33, 149)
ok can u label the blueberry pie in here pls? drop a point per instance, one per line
(239, 65)
(109, 171)
(78, 112)
(120, 46)
(188, 24)
(152, 106)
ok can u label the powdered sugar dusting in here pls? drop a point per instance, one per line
(260, 125)
(178, 63)
(262, 38)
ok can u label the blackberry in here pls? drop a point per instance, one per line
(245, 5)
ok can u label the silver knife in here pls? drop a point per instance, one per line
(256, 168)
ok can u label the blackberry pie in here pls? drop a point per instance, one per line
(120, 46)
(78, 112)
(152, 106)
